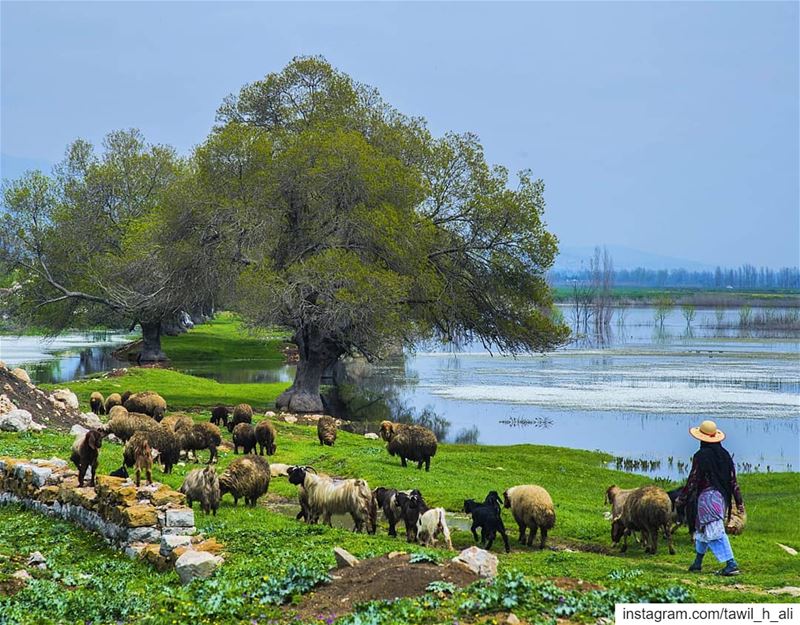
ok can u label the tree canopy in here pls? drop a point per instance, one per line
(360, 230)
(313, 205)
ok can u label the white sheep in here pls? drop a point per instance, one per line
(430, 524)
(327, 496)
(532, 507)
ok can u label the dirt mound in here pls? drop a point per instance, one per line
(26, 396)
(378, 578)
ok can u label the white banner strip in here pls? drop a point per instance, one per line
(707, 613)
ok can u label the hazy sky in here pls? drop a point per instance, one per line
(667, 127)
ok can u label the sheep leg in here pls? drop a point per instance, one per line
(624, 541)
(668, 531)
(522, 529)
(138, 476)
(544, 538)
(532, 535)
(502, 531)
(446, 533)
(475, 534)
(81, 474)
(392, 526)
(419, 464)
(490, 539)
(403, 461)
(653, 540)
(94, 473)
(326, 519)
(149, 475)
(213, 455)
(427, 464)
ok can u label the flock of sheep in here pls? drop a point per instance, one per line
(140, 422)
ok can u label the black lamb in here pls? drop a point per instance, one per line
(487, 516)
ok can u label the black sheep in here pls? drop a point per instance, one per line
(412, 506)
(487, 516)
(219, 416)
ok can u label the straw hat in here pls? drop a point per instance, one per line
(708, 432)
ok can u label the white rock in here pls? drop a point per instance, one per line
(16, 421)
(6, 405)
(478, 561)
(290, 418)
(37, 559)
(344, 558)
(269, 413)
(40, 475)
(66, 397)
(113, 438)
(21, 574)
(133, 551)
(790, 550)
(91, 420)
(196, 564)
(512, 619)
(21, 374)
(372, 436)
(180, 517)
(145, 534)
(168, 543)
(78, 430)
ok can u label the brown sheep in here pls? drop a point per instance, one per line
(201, 435)
(265, 437)
(244, 436)
(326, 430)
(246, 477)
(147, 402)
(243, 413)
(124, 425)
(85, 453)
(159, 438)
(531, 507)
(118, 411)
(142, 458)
(177, 421)
(219, 416)
(115, 399)
(412, 442)
(125, 396)
(649, 510)
(97, 403)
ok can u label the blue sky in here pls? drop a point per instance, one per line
(667, 127)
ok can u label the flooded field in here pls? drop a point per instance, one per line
(633, 392)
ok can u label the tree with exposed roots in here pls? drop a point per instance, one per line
(357, 229)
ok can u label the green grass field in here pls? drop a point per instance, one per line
(271, 555)
(646, 296)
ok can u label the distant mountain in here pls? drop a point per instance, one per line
(574, 258)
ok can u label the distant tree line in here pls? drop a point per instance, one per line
(743, 277)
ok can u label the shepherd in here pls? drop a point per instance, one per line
(712, 484)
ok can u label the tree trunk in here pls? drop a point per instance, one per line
(151, 343)
(316, 355)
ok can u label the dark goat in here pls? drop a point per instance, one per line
(85, 453)
(386, 499)
(487, 516)
(219, 416)
(412, 506)
(121, 472)
(684, 513)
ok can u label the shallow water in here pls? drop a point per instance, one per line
(632, 392)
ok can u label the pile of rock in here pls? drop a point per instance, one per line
(151, 522)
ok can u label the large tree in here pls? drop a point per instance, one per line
(360, 231)
(85, 241)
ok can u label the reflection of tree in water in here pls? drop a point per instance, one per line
(366, 392)
(525, 422)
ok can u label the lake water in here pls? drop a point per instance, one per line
(633, 393)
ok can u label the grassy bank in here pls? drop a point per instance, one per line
(701, 297)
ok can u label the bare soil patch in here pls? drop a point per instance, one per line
(378, 578)
(28, 397)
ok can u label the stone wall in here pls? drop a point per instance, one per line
(150, 522)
